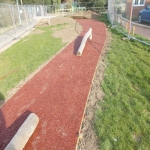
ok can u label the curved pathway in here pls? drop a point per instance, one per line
(57, 94)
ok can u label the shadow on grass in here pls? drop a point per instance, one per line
(6, 134)
(77, 44)
(2, 97)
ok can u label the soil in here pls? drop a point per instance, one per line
(68, 32)
(61, 20)
(85, 15)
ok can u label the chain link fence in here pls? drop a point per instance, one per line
(124, 16)
(15, 20)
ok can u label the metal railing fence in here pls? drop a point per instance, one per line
(14, 21)
(124, 16)
(17, 19)
(14, 16)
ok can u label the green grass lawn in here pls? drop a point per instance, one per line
(123, 122)
(25, 56)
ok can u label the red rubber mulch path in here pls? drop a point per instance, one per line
(57, 94)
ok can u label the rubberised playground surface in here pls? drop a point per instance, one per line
(57, 94)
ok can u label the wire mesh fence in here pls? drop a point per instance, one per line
(14, 21)
(74, 7)
(17, 19)
(131, 17)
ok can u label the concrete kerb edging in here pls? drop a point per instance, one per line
(24, 133)
(83, 42)
(5, 47)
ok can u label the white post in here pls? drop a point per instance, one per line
(13, 18)
(26, 18)
(113, 12)
(129, 31)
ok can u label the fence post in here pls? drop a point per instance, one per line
(55, 9)
(18, 13)
(113, 12)
(133, 30)
(29, 10)
(120, 20)
(26, 18)
(45, 10)
(127, 25)
(130, 18)
(13, 19)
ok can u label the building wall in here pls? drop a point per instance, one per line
(136, 9)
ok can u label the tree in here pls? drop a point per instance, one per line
(100, 3)
(7, 1)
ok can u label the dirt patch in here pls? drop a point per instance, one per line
(85, 15)
(88, 139)
(68, 33)
(62, 20)
(95, 15)
(72, 29)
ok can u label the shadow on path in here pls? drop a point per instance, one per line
(93, 44)
(6, 134)
(77, 44)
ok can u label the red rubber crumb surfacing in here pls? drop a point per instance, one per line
(57, 94)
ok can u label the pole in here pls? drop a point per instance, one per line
(26, 18)
(13, 19)
(18, 13)
(129, 31)
(113, 12)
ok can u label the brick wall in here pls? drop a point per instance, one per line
(136, 9)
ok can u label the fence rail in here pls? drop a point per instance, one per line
(124, 16)
(125, 23)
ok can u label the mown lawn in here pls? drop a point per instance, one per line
(25, 56)
(123, 122)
